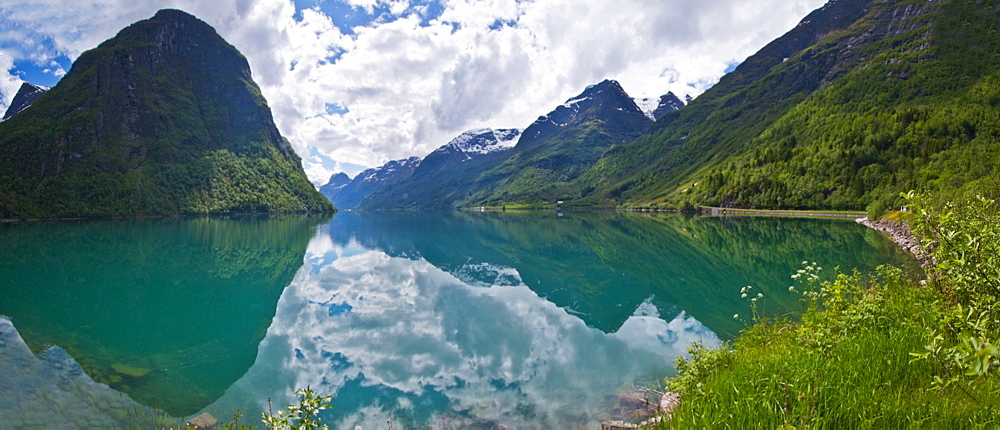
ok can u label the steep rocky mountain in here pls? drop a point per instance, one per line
(26, 95)
(668, 103)
(861, 101)
(164, 118)
(474, 143)
(348, 196)
(446, 175)
(606, 102)
(655, 108)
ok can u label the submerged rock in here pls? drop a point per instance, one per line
(203, 421)
(131, 371)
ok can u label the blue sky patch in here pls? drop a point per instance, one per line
(732, 66)
(347, 17)
(45, 75)
(336, 109)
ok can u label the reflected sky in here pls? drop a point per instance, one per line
(447, 320)
(397, 338)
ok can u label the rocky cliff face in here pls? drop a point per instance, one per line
(669, 102)
(656, 108)
(164, 118)
(26, 95)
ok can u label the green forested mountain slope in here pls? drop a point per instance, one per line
(862, 100)
(164, 118)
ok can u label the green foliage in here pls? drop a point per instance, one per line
(846, 364)
(869, 352)
(964, 242)
(303, 416)
(234, 424)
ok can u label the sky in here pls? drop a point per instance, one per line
(356, 83)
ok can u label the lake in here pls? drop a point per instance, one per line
(449, 320)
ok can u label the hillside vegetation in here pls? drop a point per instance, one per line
(887, 97)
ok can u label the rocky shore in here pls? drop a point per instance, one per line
(899, 233)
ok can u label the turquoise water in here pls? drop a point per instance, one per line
(444, 320)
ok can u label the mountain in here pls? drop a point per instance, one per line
(162, 119)
(560, 146)
(26, 95)
(859, 102)
(477, 142)
(668, 103)
(347, 196)
(337, 182)
(654, 108)
(551, 152)
(445, 175)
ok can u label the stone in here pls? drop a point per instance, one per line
(131, 371)
(203, 421)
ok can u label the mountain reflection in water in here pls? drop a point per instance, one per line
(523, 320)
(419, 319)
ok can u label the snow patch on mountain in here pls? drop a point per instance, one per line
(482, 141)
(647, 105)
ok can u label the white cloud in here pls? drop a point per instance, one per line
(410, 88)
(8, 83)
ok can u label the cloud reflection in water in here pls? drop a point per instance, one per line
(400, 339)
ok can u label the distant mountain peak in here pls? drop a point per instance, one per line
(346, 193)
(598, 100)
(26, 95)
(481, 141)
(654, 108)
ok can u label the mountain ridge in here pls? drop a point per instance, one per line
(549, 153)
(25, 96)
(347, 195)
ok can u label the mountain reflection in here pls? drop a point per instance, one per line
(169, 311)
(600, 266)
(521, 320)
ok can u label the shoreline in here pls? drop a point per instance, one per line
(900, 234)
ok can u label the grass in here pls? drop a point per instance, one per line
(843, 369)
(869, 351)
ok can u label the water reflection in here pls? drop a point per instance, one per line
(169, 311)
(449, 320)
(521, 320)
(400, 339)
(601, 266)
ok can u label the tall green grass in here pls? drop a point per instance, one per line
(869, 351)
